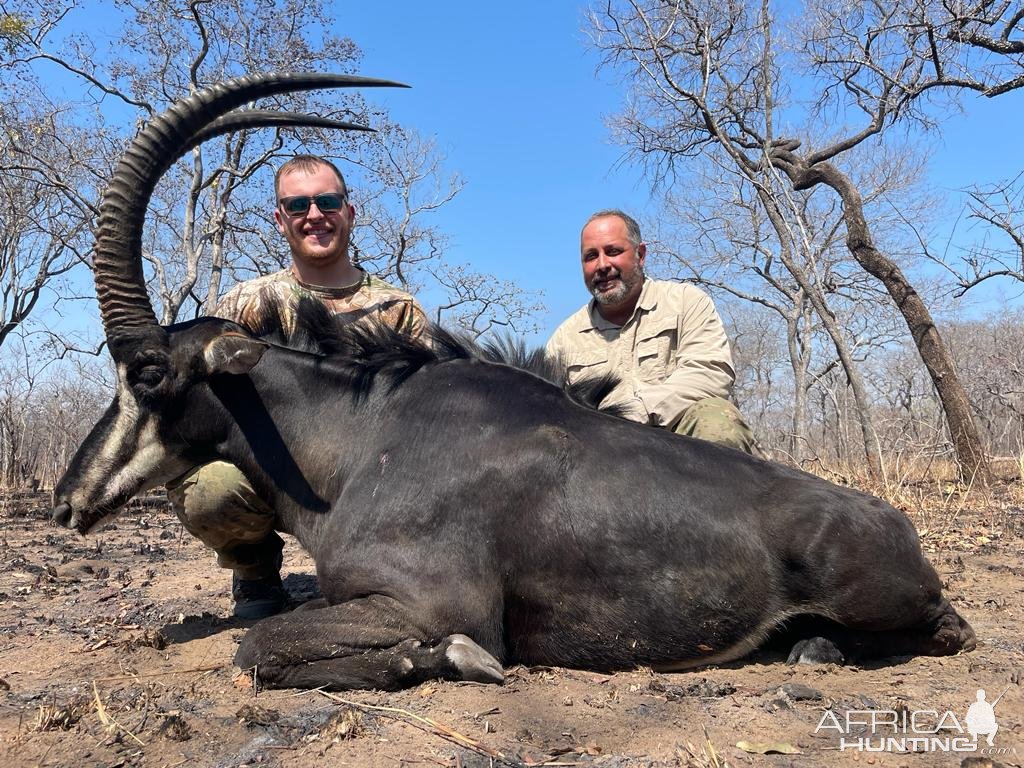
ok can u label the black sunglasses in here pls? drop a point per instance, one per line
(327, 202)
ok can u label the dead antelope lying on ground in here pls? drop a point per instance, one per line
(465, 514)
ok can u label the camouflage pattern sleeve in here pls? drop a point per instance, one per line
(244, 303)
(229, 307)
(415, 321)
(371, 300)
(392, 306)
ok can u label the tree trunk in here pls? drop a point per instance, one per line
(799, 359)
(934, 353)
(872, 450)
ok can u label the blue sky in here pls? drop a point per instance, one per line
(510, 92)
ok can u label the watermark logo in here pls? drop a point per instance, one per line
(981, 718)
(923, 730)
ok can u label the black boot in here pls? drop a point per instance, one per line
(259, 593)
(258, 598)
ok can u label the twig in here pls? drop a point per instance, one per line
(430, 726)
(158, 674)
(109, 721)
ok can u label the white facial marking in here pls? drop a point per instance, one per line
(108, 476)
(146, 459)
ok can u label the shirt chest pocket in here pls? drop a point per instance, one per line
(585, 365)
(655, 351)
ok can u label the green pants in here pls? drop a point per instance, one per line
(218, 506)
(717, 421)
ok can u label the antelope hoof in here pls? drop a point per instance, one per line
(473, 662)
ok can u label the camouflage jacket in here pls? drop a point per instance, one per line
(369, 299)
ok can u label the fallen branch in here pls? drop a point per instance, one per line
(431, 726)
(159, 674)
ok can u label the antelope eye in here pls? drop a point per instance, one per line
(149, 375)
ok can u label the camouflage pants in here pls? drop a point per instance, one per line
(218, 506)
(717, 421)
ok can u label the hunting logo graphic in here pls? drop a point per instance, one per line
(981, 718)
(923, 730)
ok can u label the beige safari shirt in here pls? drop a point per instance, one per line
(672, 352)
(369, 299)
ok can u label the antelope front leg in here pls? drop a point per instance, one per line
(364, 643)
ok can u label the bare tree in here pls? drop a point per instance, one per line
(990, 351)
(996, 212)
(763, 387)
(396, 238)
(882, 58)
(766, 244)
(708, 77)
(479, 303)
(45, 410)
(218, 201)
(45, 208)
(725, 247)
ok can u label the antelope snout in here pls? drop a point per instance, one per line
(61, 514)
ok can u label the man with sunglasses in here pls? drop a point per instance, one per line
(216, 503)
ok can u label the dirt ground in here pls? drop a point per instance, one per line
(115, 650)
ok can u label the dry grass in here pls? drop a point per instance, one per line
(703, 755)
(949, 514)
(346, 724)
(62, 717)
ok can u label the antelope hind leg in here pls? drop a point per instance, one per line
(941, 631)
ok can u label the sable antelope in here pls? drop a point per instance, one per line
(465, 514)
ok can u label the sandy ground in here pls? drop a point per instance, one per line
(115, 650)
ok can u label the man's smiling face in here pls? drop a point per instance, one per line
(316, 239)
(612, 265)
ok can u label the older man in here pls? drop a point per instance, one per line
(216, 502)
(664, 340)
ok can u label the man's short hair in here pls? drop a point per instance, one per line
(632, 228)
(307, 163)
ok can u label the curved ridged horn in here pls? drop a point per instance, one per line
(264, 118)
(120, 284)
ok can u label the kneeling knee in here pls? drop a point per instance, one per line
(718, 421)
(218, 497)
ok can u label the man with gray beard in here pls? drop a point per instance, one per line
(663, 340)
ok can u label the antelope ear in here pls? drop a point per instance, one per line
(233, 353)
